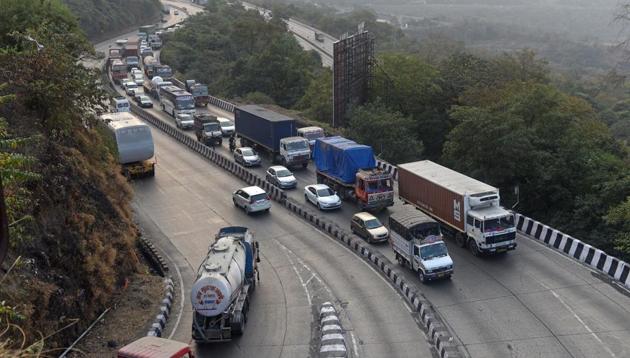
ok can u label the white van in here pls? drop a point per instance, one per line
(121, 104)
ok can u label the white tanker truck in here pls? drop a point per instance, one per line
(225, 279)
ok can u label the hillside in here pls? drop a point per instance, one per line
(100, 18)
(72, 238)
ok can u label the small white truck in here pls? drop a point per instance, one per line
(417, 243)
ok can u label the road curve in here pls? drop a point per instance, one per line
(190, 199)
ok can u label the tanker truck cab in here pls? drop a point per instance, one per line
(489, 225)
(224, 285)
(416, 240)
(295, 151)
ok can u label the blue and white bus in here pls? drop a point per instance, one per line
(175, 100)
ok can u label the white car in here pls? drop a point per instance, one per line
(281, 177)
(227, 126)
(322, 196)
(246, 156)
(184, 120)
(130, 88)
(138, 78)
(121, 42)
(252, 199)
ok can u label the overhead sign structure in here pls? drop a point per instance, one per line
(352, 68)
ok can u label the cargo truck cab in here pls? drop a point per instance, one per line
(374, 189)
(416, 239)
(490, 228)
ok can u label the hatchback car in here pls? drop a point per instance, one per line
(281, 177)
(368, 227)
(252, 199)
(144, 101)
(322, 196)
(246, 156)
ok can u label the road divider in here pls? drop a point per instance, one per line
(595, 258)
(332, 342)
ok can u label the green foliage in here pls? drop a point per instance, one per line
(317, 100)
(390, 133)
(237, 52)
(100, 18)
(619, 217)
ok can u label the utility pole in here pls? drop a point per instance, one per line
(4, 225)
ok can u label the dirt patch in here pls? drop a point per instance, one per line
(131, 315)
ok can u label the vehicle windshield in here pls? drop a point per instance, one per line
(325, 192)
(498, 224)
(373, 224)
(257, 197)
(200, 91)
(297, 145)
(185, 102)
(145, 99)
(433, 250)
(210, 127)
(227, 124)
(283, 173)
(248, 152)
(377, 186)
(312, 135)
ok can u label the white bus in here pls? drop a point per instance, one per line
(175, 100)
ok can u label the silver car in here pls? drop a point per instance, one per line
(252, 199)
(281, 177)
(227, 126)
(184, 120)
(322, 196)
(246, 156)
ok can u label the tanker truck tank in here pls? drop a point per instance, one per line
(225, 280)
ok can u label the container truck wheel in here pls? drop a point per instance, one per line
(474, 249)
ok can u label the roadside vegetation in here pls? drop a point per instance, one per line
(72, 235)
(102, 19)
(510, 120)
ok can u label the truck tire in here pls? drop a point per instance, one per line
(421, 276)
(238, 323)
(474, 249)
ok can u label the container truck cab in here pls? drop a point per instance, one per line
(469, 210)
(416, 240)
(151, 347)
(294, 151)
(207, 129)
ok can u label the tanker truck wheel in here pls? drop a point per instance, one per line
(238, 323)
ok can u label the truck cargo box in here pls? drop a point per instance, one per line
(438, 190)
(342, 158)
(263, 127)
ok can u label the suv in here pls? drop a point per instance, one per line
(252, 199)
(207, 129)
(367, 226)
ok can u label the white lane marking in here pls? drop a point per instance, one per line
(308, 294)
(557, 296)
(309, 280)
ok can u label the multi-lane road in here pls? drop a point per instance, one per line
(529, 303)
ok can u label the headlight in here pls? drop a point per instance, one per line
(449, 267)
(429, 271)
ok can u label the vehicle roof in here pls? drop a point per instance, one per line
(409, 216)
(309, 129)
(447, 178)
(278, 167)
(253, 190)
(319, 186)
(364, 216)
(127, 123)
(250, 148)
(117, 116)
(153, 347)
(265, 113)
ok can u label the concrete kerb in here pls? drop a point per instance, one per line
(442, 339)
(332, 340)
(597, 259)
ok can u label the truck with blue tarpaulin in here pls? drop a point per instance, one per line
(273, 133)
(350, 169)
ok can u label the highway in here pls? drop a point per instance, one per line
(531, 302)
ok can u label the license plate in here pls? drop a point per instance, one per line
(501, 250)
(441, 274)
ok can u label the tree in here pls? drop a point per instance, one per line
(317, 99)
(390, 133)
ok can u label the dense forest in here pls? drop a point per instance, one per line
(102, 18)
(71, 230)
(508, 119)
